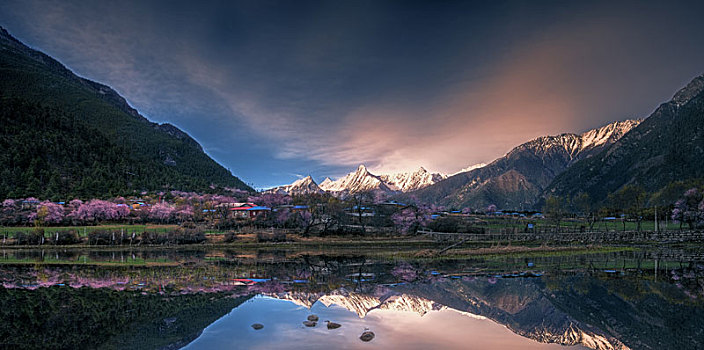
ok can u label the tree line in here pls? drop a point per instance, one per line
(680, 201)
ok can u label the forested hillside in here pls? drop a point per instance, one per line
(64, 136)
(665, 148)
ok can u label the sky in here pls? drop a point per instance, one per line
(277, 90)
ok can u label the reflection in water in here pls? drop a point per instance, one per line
(598, 301)
(393, 328)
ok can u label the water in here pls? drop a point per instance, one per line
(207, 299)
(393, 328)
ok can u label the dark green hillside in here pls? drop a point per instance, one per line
(62, 135)
(666, 147)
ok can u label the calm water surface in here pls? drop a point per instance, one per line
(209, 299)
(406, 327)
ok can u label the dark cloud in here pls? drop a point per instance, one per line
(278, 88)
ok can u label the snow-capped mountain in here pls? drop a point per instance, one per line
(606, 134)
(516, 180)
(578, 146)
(362, 304)
(302, 186)
(411, 181)
(326, 184)
(358, 181)
(362, 180)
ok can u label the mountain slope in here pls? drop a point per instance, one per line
(517, 179)
(667, 146)
(67, 136)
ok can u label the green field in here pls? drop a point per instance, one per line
(491, 224)
(84, 230)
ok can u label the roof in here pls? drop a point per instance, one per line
(243, 208)
(259, 208)
(363, 208)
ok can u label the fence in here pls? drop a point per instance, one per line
(512, 234)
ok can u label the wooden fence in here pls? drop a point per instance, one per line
(511, 234)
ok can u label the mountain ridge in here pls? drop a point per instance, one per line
(667, 146)
(362, 180)
(518, 179)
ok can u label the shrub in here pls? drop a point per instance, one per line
(108, 237)
(36, 237)
(479, 230)
(65, 237)
(271, 237)
(446, 224)
(230, 237)
(180, 235)
(453, 224)
(152, 237)
(187, 236)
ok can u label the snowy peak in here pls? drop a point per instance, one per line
(304, 182)
(302, 186)
(326, 183)
(469, 168)
(362, 180)
(411, 181)
(361, 169)
(576, 146)
(362, 304)
(606, 134)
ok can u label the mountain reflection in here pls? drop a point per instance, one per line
(396, 327)
(641, 305)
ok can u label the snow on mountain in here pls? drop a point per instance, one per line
(358, 181)
(362, 180)
(302, 186)
(362, 304)
(327, 183)
(577, 146)
(607, 134)
(469, 168)
(411, 181)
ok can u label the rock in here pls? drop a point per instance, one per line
(313, 318)
(367, 336)
(333, 325)
(309, 323)
(257, 326)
